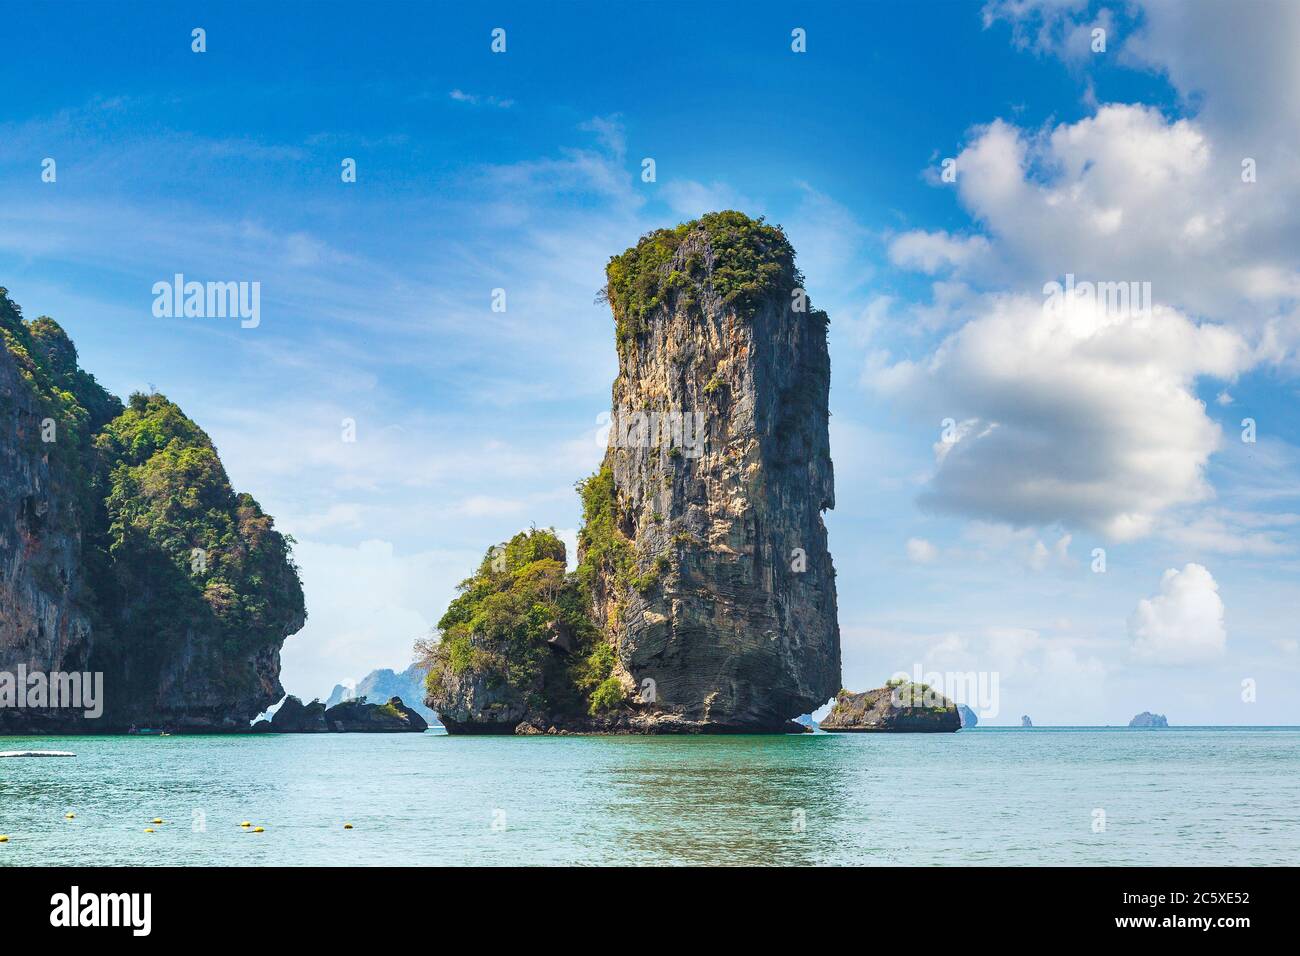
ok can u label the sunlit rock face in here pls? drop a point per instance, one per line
(720, 462)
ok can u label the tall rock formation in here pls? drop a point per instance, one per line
(706, 589)
(727, 603)
(124, 551)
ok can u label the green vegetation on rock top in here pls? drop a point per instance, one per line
(171, 508)
(500, 626)
(77, 404)
(741, 260)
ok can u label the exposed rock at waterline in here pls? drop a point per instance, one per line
(900, 708)
(360, 716)
(295, 717)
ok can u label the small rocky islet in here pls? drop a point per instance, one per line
(898, 707)
(350, 716)
(384, 684)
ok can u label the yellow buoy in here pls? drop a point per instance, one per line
(245, 824)
(148, 829)
(157, 820)
(3, 838)
(71, 816)
(259, 829)
(347, 826)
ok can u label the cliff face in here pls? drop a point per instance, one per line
(50, 410)
(124, 551)
(704, 599)
(726, 599)
(43, 619)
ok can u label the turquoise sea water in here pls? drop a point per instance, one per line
(1205, 796)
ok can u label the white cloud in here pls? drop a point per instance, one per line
(1043, 557)
(931, 252)
(1183, 624)
(691, 199)
(921, 551)
(477, 506)
(476, 99)
(1202, 47)
(1224, 531)
(1073, 416)
(1127, 196)
(1169, 194)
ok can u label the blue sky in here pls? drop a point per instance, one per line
(521, 171)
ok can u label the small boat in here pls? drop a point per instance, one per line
(36, 753)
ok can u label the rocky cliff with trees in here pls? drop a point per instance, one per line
(125, 551)
(704, 595)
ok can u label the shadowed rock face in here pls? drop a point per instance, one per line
(731, 610)
(359, 716)
(351, 716)
(44, 622)
(124, 551)
(295, 717)
(906, 709)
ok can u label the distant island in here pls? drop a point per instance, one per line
(383, 684)
(1025, 721)
(1146, 719)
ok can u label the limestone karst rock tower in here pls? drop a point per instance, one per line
(718, 470)
(125, 552)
